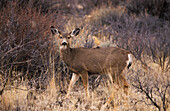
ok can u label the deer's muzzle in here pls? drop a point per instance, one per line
(64, 43)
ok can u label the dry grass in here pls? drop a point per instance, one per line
(23, 98)
(47, 88)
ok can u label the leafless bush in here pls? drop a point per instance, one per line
(42, 6)
(154, 7)
(28, 51)
(148, 35)
(25, 42)
(154, 88)
(141, 35)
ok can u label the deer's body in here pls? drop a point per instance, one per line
(94, 60)
(88, 61)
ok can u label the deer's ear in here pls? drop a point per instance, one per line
(75, 32)
(55, 31)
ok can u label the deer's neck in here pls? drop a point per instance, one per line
(66, 55)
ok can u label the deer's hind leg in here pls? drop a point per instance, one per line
(124, 83)
(118, 81)
(119, 78)
(114, 89)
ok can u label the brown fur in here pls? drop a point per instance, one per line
(88, 61)
(94, 61)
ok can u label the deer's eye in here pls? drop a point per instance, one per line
(60, 37)
(69, 37)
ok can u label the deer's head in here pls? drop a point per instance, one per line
(64, 37)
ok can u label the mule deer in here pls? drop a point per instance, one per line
(89, 61)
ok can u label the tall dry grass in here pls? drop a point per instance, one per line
(26, 41)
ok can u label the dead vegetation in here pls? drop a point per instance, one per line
(32, 77)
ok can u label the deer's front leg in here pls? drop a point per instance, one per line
(84, 77)
(74, 78)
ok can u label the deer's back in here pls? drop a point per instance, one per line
(96, 60)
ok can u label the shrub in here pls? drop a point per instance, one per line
(139, 34)
(25, 42)
(154, 89)
(153, 7)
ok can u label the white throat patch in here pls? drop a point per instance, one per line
(63, 47)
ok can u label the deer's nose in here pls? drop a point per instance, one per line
(64, 43)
